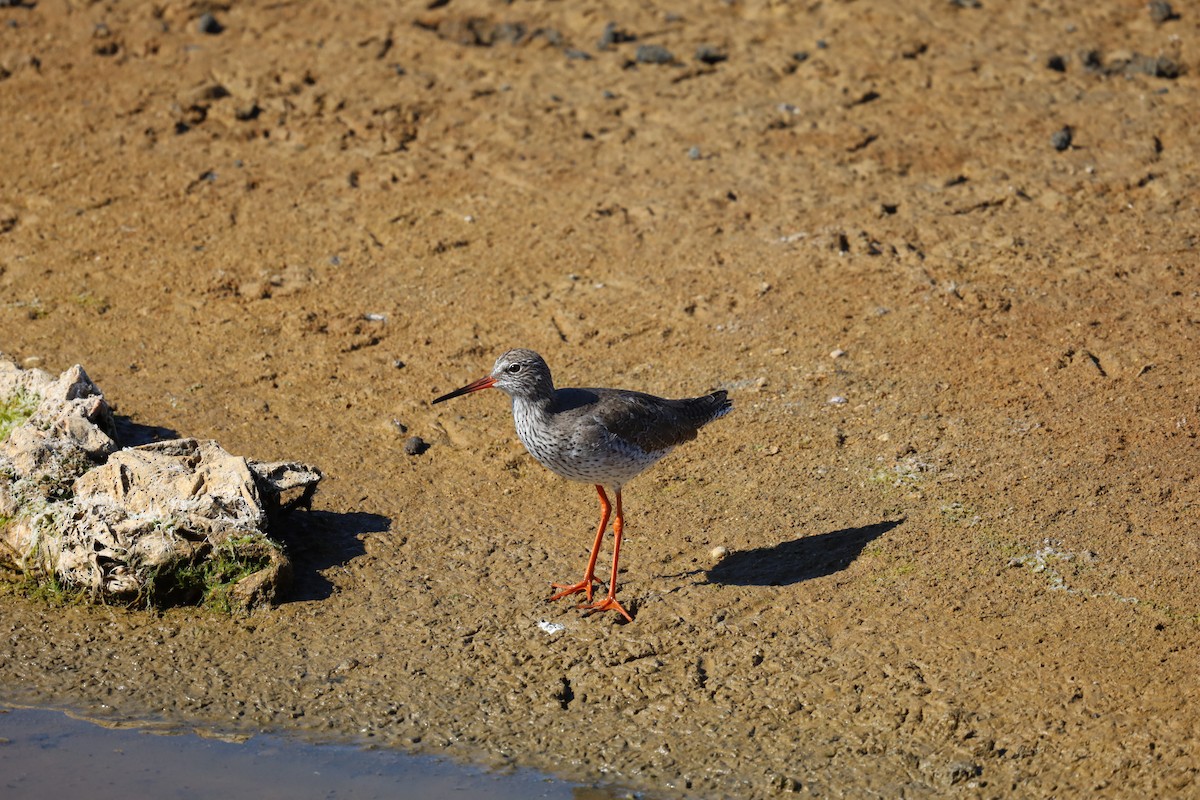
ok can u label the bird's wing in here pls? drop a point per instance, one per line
(654, 424)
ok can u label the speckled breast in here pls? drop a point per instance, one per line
(583, 452)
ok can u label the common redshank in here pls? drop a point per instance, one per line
(600, 436)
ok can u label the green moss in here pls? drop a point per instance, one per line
(44, 589)
(15, 409)
(209, 582)
(91, 302)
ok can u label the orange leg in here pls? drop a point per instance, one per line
(589, 577)
(609, 603)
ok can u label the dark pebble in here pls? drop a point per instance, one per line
(1161, 11)
(1056, 63)
(800, 56)
(509, 32)
(1160, 67)
(577, 55)
(613, 35)
(708, 54)
(653, 54)
(209, 24)
(415, 445)
(1062, 138)
(551, 36)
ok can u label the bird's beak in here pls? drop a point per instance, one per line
(482, 383)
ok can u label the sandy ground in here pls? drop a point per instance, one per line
(959, 489)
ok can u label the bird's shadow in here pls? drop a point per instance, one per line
(318, 540)
(799, 559)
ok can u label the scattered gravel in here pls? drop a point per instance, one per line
(1061, 139)
(653, 54)
(1161, 11)
(708, 54)
(614, 35)
(209, 24)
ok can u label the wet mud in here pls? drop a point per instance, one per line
(943, 257)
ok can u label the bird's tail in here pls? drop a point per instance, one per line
(713, 406)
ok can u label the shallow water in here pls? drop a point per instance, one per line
(46, 753)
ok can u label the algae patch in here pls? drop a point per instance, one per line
(15, 409)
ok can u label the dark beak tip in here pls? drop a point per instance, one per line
(482, 383)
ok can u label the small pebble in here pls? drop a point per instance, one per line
(551, 627)
(1056, 63)
(613, 35)
(694, 153)
(653, 54)
(1061, 139)
(375, 317)
(707, 54)
(209, 24)
(837, 400)
(577, 55)
(838, 353)
(718, 552)
(1161, 11)
(415, 445)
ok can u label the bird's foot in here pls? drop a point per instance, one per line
(584, 585)
(609, 603)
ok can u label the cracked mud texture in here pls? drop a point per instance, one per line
(958, 495)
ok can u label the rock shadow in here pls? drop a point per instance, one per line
(134, 434)
(798, 560)
(318, 540)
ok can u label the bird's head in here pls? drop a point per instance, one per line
(518, 373)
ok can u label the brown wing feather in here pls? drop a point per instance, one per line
(654, 424)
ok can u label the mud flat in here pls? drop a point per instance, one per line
(954, 513)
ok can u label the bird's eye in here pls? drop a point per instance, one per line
(514, 368)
